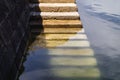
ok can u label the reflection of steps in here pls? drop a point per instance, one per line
(61, 50)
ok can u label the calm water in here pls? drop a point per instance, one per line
(105, 9)
(101, 20)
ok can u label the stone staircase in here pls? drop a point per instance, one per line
(60, 49)
(52, 17)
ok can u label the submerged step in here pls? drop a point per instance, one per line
(55, 15)
(86, 52)
(73, 61)
(62, 74)
(56, 24)
(54, 7)
(52, 1)
(76, 73)
(71, 52)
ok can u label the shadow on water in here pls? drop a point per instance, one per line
(37, 63)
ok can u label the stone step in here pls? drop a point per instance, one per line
(71, 52)
(87, 52)
(52, 1)
(73, 61)
(54, 15)
(56, 31)
(54, 7)
(61, 43)
(60, 36)
(56, 24)
(71, 43)
(62, 74)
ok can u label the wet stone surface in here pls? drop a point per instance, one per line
(56, 59)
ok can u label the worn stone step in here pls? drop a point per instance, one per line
(62, 36)
(71, 52)
(61, 43)
(54, 15)
(52, 1)
(87, 52)
(67, 44)
(62, 74)
(73, 61)
(54, 7)
(56, 24)
(56, 31)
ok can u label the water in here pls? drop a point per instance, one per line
(108, 10)
(101, 20)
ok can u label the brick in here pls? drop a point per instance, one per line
(20, 27)
(12, 20)
(3, 10)
(5, 31)
(10, 4)
(6, 65)
(20, 6)
(12, 74)
(15, 40)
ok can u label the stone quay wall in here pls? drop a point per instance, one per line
(14, 34)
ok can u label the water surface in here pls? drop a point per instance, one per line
(101, 20)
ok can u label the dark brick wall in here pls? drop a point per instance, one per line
(14, 33)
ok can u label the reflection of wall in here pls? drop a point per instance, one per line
(13, 35)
